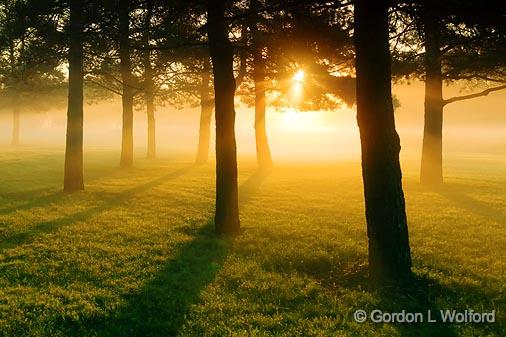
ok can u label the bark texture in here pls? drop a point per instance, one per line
(431, 172)
(389, 252)
(127, 143)
(73, 171)
(206, 113)
(227, 211)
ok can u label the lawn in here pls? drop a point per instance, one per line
(135, 254)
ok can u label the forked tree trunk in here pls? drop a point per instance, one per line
(227, 209)
(431, 172)
(206, 113)
(73, 173)
(127, 143)
(149, 85)
(264, 158)
(16, 125)
(389, 253)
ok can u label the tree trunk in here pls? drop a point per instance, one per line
(264, 158)
(127, 144)
(16, 123)
(149, 85)
(389, 253)
(227, 209)
(431, 172)
(73, 175)
(206, 112)
(150, 110)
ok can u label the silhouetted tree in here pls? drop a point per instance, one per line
(389, 252)
(73, 175)
(227, 210)
(127, 97)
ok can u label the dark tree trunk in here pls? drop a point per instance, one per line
(127, 143)
(264, 158)
(73, 175)
(16, 123)
(389, 253)
(431, 172)
(206, 112)
(149, 86)
(227, 210)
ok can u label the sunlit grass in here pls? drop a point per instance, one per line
(135, 255)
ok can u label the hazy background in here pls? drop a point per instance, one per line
(476, 127)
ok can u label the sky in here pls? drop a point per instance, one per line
(471, 126)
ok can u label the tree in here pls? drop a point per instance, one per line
(127, 97)
(73, 175)
(441, 41)
(206, 113)
(227, 210)
(29, 76)
(259, 77)
(462, 41)
(389, 252)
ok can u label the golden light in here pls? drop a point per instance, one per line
(299, 76)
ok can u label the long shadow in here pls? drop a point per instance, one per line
(480, 208)
(420, 294)
(251, 186)
(111, 201)
(41, 197)
(161, 306)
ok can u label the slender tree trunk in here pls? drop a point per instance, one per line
(227, 209)
(73, 174)
(150, 110)
(127, 143)
(16, 123)
(264, 158)
(149, 85)
(206, 113)
(431, 172)
(389, 253)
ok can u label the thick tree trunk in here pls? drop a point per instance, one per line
(206, 113)
(389, 253)
(227, 209)
(73, 174)
(431, 172)
(16, 124)
(149, 85)
(127, 143)
(264, 158)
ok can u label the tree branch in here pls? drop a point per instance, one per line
(470, 96)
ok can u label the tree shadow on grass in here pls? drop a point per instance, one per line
(111, 201)
(41, 197)
(457, 195)
(162, 305)
(251, 186)
(345, 272)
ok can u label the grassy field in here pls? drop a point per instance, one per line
(135, 255)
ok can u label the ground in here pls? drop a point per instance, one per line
(135, 254)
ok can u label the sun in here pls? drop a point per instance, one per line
(299, 76)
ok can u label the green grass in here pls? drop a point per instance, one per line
(135, 254)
